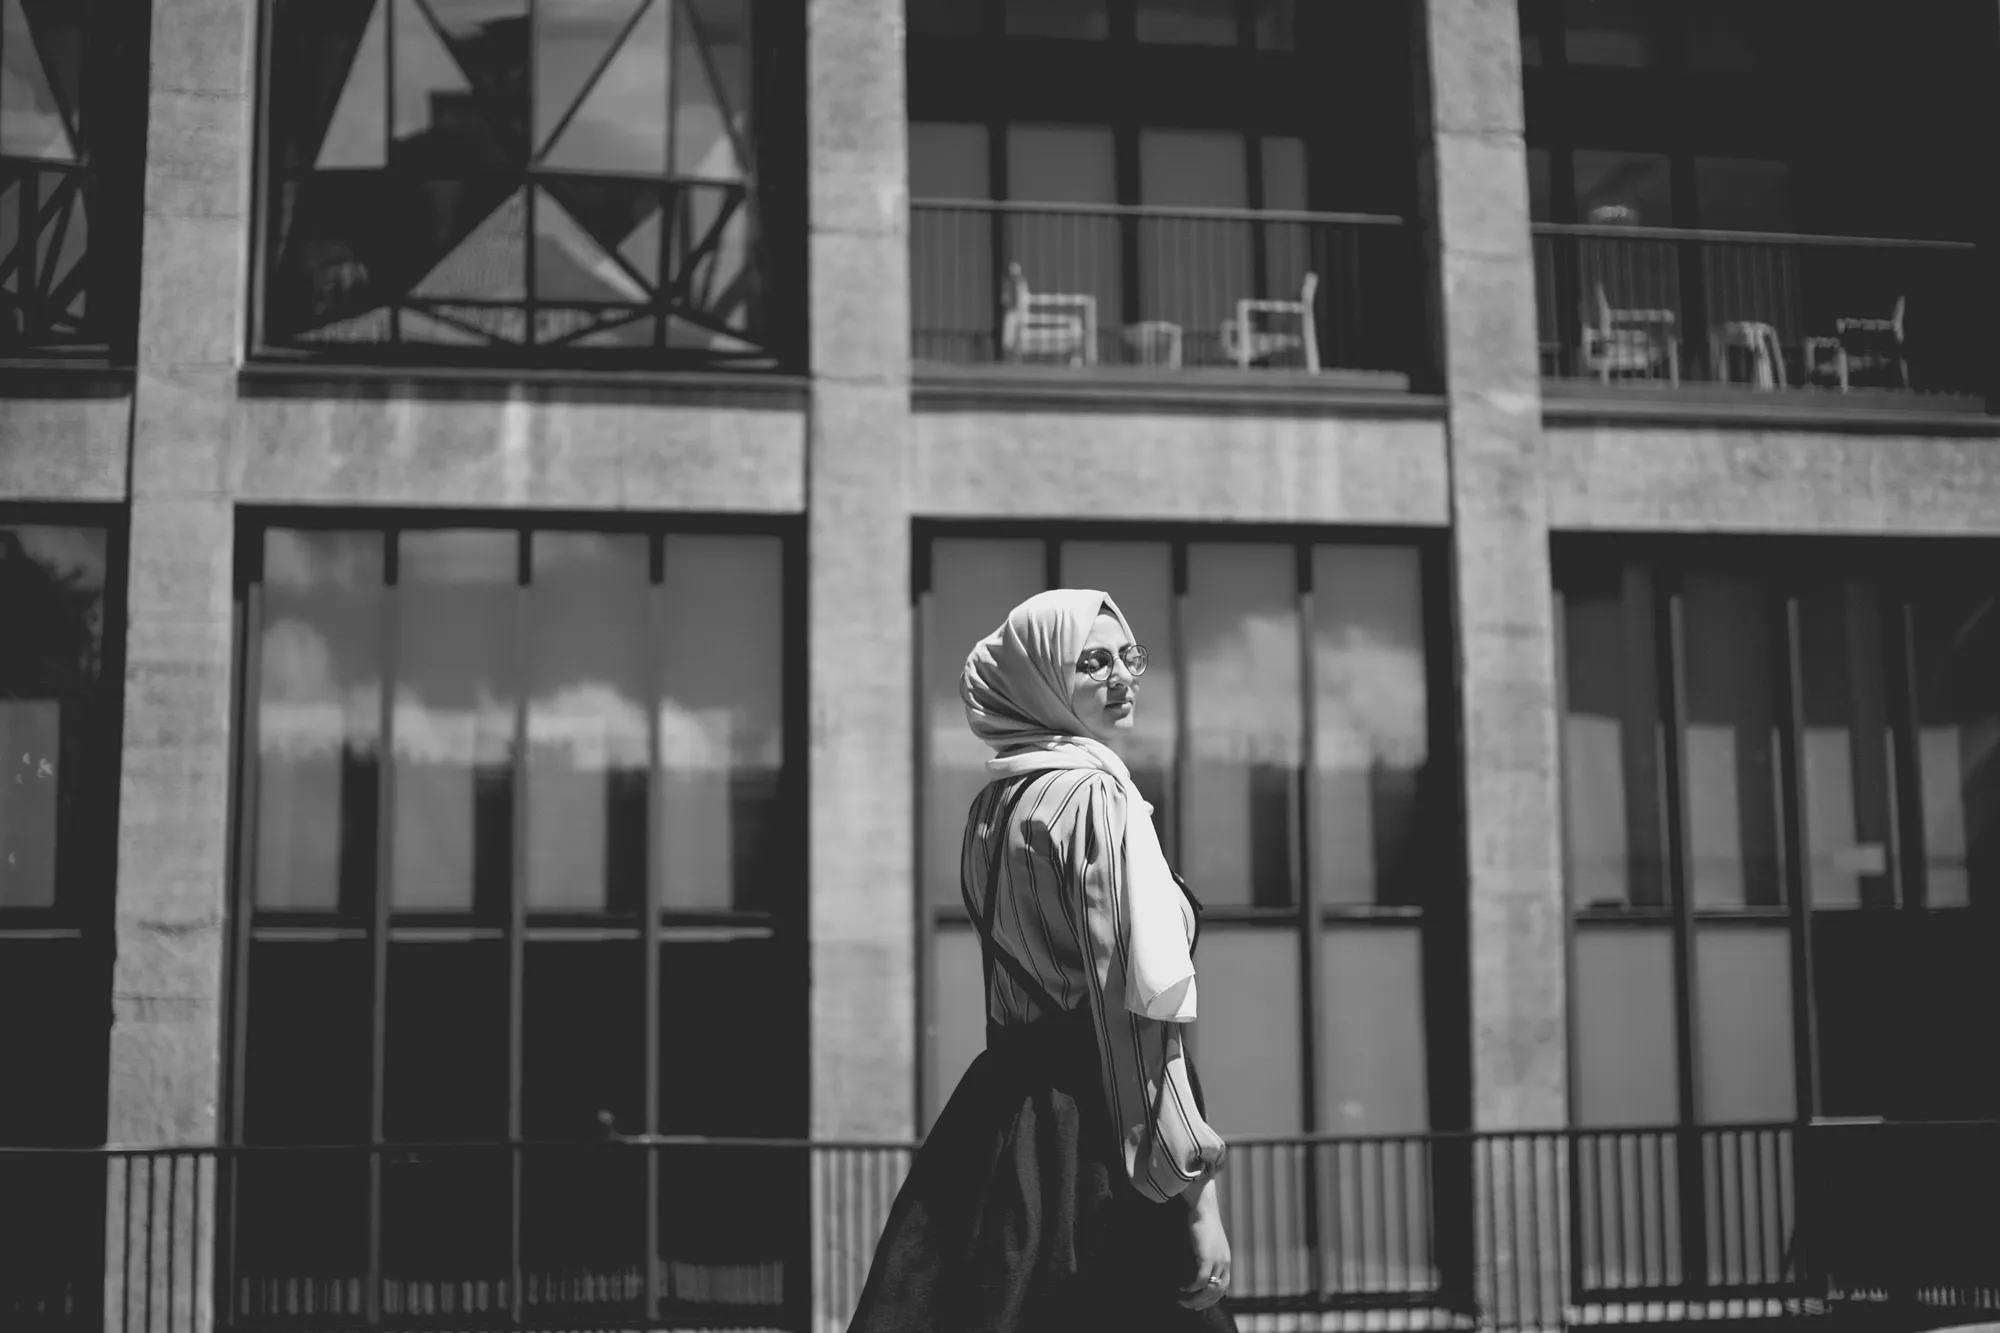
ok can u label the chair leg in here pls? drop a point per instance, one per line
(1840, 364)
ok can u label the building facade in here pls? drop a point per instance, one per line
(494, 495)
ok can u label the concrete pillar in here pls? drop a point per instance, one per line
(1474, 181)
(173, 837)
(862, 873)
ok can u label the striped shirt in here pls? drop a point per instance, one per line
(1061, 913)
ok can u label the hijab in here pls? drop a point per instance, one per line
(1016, 687)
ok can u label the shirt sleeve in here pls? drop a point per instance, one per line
(1167, 1144)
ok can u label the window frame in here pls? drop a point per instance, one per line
(783, 924)
(777, 199)
(1786, 571)
(1440, 919)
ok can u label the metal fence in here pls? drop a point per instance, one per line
(1527, 1230)
(1082, 286)
(1839, 314)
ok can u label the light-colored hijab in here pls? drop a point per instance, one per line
(1016, 688)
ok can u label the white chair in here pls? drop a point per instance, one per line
(1767, 353)
(1243, 343)
(1861, 344)
(1155, 342)
(1062, 325)
(1630, 342)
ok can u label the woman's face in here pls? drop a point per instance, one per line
(1105, 707)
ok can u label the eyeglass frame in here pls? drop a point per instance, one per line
(1103, 670)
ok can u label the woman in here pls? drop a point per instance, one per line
(1070, 1182)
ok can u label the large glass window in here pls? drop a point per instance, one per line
(71, 142)
(61, 643)
(1285, 741)
(520, 179)
(1773, 780)
(517, 883)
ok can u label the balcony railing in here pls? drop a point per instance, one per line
(1645, 305)
(1530, 1230)
(1173, 289)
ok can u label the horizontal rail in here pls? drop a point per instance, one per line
(1163, 211)
(1698, 234)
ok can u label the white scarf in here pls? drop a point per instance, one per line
(1016, 692)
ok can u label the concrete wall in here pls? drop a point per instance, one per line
(67, 448)
(1229, 466)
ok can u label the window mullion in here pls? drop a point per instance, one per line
(378, 936)
(1305, 793)
(517, 911)
(1905, 725)
(652, 900)
(1805, 1034)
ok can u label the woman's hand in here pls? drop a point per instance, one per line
(1211, 1247)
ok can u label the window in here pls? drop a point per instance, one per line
(71, 141)
(1286, 741)
(518, 179)
(61, 669)
(1769, 802)
(1609, 32)
(517, 878)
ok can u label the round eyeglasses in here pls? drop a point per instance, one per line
(1096, 662)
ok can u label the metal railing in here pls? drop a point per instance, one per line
(1128, 286)
(1775, 312)
(1527, 1230)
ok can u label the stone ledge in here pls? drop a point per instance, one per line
(1797, 409)
(1338, 392)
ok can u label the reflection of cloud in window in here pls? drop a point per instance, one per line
(1371, 703)
(306, 708)
(714, 740)
(69, 553)
(482, 734)
(596, 727)
(1245, 707)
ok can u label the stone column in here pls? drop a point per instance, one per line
(862, 880)
(1474, 179)
(173, 837)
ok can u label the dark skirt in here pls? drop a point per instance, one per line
(1017, 1214)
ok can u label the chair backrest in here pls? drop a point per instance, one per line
(1017, 287)
(1603, 308)
(1308, 288)
(1896, 315)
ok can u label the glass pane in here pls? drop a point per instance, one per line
(1371, 724)
(1609, 32)
(723, 838)
(1246, 1048)
(1721, 38)
(1743, 194)
(1240, 632)
(1612, 776)
(1731, 744)
(1373, 1074)
(951, 249)
(1541, 192)
(974, 584)
(453, 840)
(620, 123)
(1190, 22)
(52, 583)
(1058, 18)
(1275, 20)
(42, 62)
(1844, 753)
(1623, 189)
(711, 83)
(707, 1085)
(1284, 173)
(1140, 577)
(958, 1011)
(588, 743)
(583, 1035)
(1957, 664)
(948, 161)
(1623, 1008)
(445, 1061)
(307, 1072)
(319, 719)
(58, 1060)
(438, 123)
(1193, 270)
(944, 18)
(1743, 977)
(1069, 260)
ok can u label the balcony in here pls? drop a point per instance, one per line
(1529, 1230)
(1842, 322)
(1230, 296)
